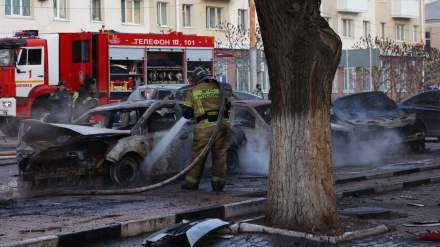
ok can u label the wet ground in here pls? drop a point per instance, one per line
(23, 218)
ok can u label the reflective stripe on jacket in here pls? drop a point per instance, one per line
(203, 99)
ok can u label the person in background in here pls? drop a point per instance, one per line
(84, 98)
(60, 99)
(257, 91)
(204, 102)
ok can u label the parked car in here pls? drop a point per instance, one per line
(250, 139)
(153, 91)
(241, 95)
(106, 145)
(376, 119)
(234, 95)
(426, 106)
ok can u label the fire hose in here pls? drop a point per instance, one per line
(167, 181)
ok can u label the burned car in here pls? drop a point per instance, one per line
(111, 144)
(377, 120)
(250, 139)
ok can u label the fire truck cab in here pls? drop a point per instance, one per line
(31, 64)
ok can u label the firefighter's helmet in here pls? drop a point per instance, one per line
(200, 74)
(62, 83)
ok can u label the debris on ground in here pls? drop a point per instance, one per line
(187, 231)
(430, 236)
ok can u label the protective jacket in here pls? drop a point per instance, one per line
(84, 99)
(203, 103)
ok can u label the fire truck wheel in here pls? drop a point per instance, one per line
(9, 126)
(42, 114)
(126, 171)
(41, 109)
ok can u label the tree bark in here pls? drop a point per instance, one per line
(303, 53)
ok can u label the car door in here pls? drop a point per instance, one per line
(255, 149)
(168, 142)
(427, 107)
(30, 70)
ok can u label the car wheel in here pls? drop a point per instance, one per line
(126, 171)
(232, 161)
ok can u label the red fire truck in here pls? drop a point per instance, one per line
(31, 65)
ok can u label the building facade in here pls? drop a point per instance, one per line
(401, 21)
(393, 21)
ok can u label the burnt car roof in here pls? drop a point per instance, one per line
(366, 105)
(125, 104)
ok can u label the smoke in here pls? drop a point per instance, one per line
(254, 156)
(160, 151)
(368, 152)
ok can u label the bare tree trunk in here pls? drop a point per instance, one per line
(303, 53)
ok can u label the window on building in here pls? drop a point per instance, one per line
(17, 7)
(428, 38)
(242, 17)
(335, 83)
(415, 34)
(399, 78)
(242, 75)
(384, 77)
(131, 11)
(263, 76)
(366, 28)
(59, 9)
(96, 10)
(186, 14)
(162, 14)
(366, 79)
(382, 30)
(400, 32)
(214, 18)
(346, 28)
(221, 70)
(349, 79)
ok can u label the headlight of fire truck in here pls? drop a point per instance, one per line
(8, 107)
(6, 104)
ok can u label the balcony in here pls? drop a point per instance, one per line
(406, 9)
(352, 6)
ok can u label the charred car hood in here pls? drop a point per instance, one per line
(390, 122)
(42, 136)
(368, 108)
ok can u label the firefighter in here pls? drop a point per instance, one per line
(84, 98)
(60, 99)
(203, 103)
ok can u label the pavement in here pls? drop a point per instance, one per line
(389, 196)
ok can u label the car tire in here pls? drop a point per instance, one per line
(41, 110)
(232, 161)
(126, 172)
